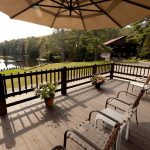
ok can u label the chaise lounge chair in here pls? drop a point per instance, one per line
(92, 136)
(116, 112)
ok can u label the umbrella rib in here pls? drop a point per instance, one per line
(137, 4)
(107, 14)
(76, 12)
(75, 3)
(101, 1)
(62, 11)
(26, 9)
(88, 10)
(81, 17)
(61, 4)
(56, 16)
(67, 2)
(51, 6)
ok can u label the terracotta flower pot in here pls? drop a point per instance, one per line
(49, 101)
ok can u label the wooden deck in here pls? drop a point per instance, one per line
(31, 126)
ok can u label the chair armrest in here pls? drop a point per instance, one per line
(90, 114)
(126, 93)
(79, 135)
(117, 99)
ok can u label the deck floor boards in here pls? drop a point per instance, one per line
(31, 126)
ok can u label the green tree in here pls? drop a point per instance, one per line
(141, 35)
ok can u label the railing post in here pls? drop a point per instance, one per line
(64, 81)
(112, 71)
(3, 108)
(94, 69)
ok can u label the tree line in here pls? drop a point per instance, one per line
(72, 45)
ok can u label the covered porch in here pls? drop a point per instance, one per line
(31, 126)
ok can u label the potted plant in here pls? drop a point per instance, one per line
(47, 92)
(97, 80)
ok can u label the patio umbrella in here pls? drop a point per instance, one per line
(77, 14)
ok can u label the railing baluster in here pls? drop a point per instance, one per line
(105, 68)
(116, 67)
(144, 72)
(76, 74)
(25, 80)
(41, 77)
(58, 76)
(73, 73)
(68, 78)
(128, 68)
(136, 71)
(133, 72)
(140, 71)
(121, 68)
(5, 86)
(19, 82)
(101, 69)
(54, 76)
(148, 72)
(31, 81)
(124, 69)
(46, 75)
(79, 73)
(50, 77)
(36, 76)
(86, 71)
(12, 83)
(82, 72)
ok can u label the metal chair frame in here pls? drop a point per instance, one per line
(112, 137)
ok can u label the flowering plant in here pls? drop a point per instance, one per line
(46, 90)
(97, 79)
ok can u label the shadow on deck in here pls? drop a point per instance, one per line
(31, 125)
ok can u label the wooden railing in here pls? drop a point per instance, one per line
(126, 71)
(17, 84)
(84, 72)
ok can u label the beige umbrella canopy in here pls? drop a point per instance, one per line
(77, 14)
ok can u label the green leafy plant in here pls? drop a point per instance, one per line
(98, 79)
(46, 90)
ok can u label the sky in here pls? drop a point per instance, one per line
(16, 29)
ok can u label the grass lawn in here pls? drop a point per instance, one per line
(51, 66)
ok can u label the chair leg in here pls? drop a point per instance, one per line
(132, 88)
(127, 130)
(136, 117)
(118, 141)
(128, 88)
(65, 138)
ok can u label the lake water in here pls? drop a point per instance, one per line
(3, 66)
